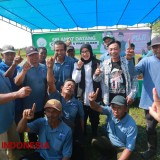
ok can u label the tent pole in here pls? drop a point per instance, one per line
(31, 36)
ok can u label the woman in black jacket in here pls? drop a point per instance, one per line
(83, 76)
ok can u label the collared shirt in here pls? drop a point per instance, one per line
(3, 68)
(63, 71)
(69, 108)
(7, 110)
(59, 139)
(18, 102)
(149, 67)
(104, 56)
(122, 133)
(36, 79)
(131, 80)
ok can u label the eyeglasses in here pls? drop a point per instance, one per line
(87, 51)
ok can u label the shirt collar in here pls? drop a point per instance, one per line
(123, 120)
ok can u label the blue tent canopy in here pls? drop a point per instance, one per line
(68, 14)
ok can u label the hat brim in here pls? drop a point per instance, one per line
(8, 51)
(107, 38)
(32, 53)
(155, 44)
(119, 104)
(49, 106)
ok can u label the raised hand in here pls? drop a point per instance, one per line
(68, 42)
(93, 95)
(23, 92)
(80, 64)
(29, 113)
(129, 51)
(155, 109)
(50, 62)
(18, 59)
(129, 100)
(26, 66)
(98, 70)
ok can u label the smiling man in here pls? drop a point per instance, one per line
(63, 65)
(121, 129)
(50, 130)
(33, 74)
(114, 75)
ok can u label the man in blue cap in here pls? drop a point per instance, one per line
(104, 48)
(121, 129)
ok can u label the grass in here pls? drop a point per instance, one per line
(141, 145)
(137, 114)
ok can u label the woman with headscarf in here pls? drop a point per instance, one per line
(83, 76)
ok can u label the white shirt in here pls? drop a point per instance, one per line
(76, 76)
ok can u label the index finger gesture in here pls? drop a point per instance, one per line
(156, 99)
(33, 107)
(97, 90)
(19, 52)
(129, 44)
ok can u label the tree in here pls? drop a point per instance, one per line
(156, 28)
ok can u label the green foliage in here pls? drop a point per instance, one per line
(156, 27)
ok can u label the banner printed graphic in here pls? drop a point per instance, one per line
(95, 38)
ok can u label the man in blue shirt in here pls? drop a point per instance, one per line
(71, 53)
(50, 130)
(72, 108)
(42, 55)
(63, 65)
(121, 129)
(149, 67)
(33, 74)
(104, 48)
(7, 113)
(9, 67)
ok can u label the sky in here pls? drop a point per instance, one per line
(11, 35)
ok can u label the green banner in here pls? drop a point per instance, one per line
(95, 38)
(77, 39)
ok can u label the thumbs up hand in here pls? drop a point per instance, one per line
(98, 70)
(29, 113)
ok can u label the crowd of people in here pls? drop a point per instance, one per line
(52, 99)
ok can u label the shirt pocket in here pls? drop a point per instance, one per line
(57, 145)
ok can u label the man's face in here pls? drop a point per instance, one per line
(42, 55)
(106, 42)
(114, 50)
(60, 51)
(52, 114)
(68, 88)
(8, 58)
(33, 59)
(71, 53)
(156, 50)
(119, 111)
(120, 37)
